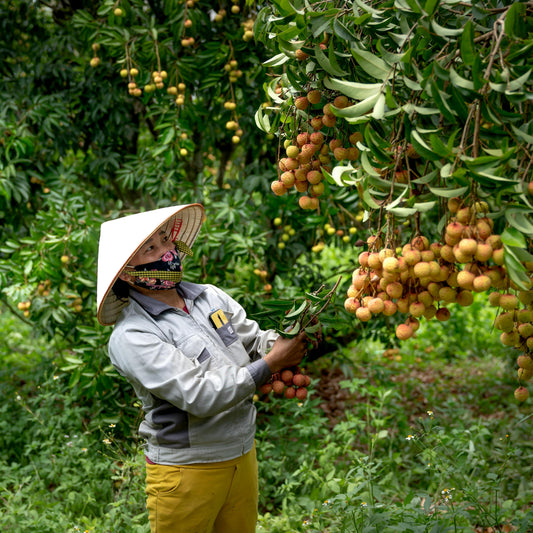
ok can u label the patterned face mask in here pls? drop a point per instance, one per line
(165, 273)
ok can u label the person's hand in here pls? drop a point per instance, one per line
(287, 352)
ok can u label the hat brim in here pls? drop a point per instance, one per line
(122, 238)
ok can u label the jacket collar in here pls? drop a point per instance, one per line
(187, 290)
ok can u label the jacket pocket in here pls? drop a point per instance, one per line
(227, 334)
(194, 348)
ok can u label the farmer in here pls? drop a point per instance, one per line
(194, 360)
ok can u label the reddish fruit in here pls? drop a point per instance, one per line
(278, 387)
(289, 393)
(443, 314)
(286, 376)
(298, 380)
(301, 393)
(329, 121)
(266, 388)
(521, 394)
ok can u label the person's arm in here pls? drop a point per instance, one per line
(167, 373)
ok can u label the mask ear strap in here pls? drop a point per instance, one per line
(182, 247)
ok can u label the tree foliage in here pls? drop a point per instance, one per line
(111, 107)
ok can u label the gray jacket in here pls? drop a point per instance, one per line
(195, 373)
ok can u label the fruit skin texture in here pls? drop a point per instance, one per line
(525, 361)
(521, 394)
(404, 332)
(278, 387)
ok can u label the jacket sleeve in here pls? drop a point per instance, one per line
(163, 370)
(256, 341)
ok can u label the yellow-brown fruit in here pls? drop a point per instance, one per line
(524, 374)
(463, 215)
(422, 269)
(300, 55)
(301, 103)
(510, 338)
(341, 102)
(504, 322)
(447, 294)
(468, 246)
(525, 297)
(521, 394)
(95, 61)
(376, 306)
(465, 279)
(416, 309)
(494, 299)
(304, 202)
(481, 283)
(278, 188)
(355, 137)
(497, 256)
(525, 361)
(391, 264)
(314, 96)
(363, 314)
(443, 314)
(389, 308)
(292, 151)
(483, 252)
(404, 332)
(351, 305)
(525, 330)
(508, 301)
(454, 204)
(465, 298)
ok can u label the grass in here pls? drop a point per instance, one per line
(427, 437)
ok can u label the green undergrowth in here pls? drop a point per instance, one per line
(427, 437)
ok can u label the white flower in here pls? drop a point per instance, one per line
(409, 437)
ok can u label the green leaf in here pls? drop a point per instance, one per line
(379, 107)
(397, 201)
(356, 110)
(518, 219)
(352, 89)
(367, 197)
(515, 268)
(422, 148)
(467, 44)
(448, 193)
(438, 146)
(430, 5)
(297, 312)
(328, 62)
(371, 64)
(403, 211)
(515, 21)
(512, 237)
(441, 31)
(522, 134)
(459, 81)
(276, 61)
(440, 101)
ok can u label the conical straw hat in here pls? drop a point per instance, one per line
(120, 239)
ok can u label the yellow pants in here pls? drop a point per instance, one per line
(203, 498)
